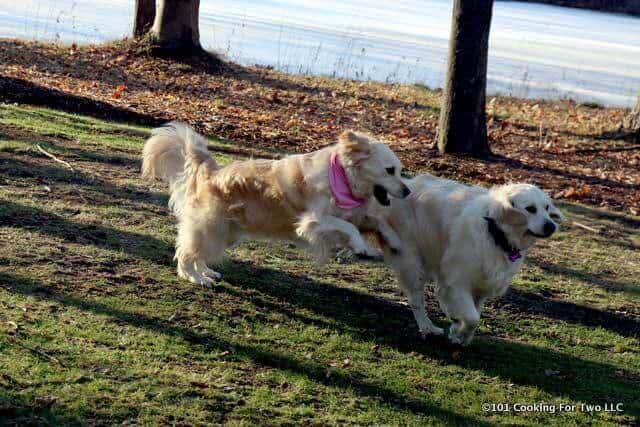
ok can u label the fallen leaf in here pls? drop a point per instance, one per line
(569, 192)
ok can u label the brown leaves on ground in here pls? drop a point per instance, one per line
(574, 151)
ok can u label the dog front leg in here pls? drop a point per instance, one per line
(316, 230)
(385, 232)
(461, 309)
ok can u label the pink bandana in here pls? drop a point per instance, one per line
(339, 185)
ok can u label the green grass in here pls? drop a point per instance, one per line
(95, 327)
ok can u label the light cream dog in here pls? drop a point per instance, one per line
(288, 199)
(470, 241)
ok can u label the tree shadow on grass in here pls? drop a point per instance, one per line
(605, 284)
(621, 220)
(367, 317)
(25, 92)
(381, 317)
(260, 355)
(135, 244)
(522, 364)
(285, 286)
(594, 180)
(363, 316)
(16, 168)
(49, 143)
(18, 411)
(518, 301)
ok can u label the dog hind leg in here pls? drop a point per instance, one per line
(411, 283)
(197, 244)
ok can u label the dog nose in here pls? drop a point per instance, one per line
(549, 228)
(405, 191)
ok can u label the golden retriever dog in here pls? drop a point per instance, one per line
(470, 241)
(314, 198)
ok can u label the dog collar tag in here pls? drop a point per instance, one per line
(501, 240)
(514, 256)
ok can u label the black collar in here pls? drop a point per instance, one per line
(501, 240)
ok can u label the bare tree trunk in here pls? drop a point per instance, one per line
(462, 127)
(143, 20)
(632, 121)
(175, 28)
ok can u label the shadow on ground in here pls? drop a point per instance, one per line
(367, 317)
(26, 92)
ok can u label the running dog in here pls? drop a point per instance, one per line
(470, 241)
(313, 198)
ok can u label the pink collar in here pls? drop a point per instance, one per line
(339, 185)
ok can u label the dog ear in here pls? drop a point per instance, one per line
(356, 146)
(555, 213)
(507, 214)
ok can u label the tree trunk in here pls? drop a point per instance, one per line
(143, 20)
(463, 127)
(632, 121)
(175, 28)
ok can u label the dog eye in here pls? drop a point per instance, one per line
(531, 209)
(547, 207)
(390, 171)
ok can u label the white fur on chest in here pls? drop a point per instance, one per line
(497, 276)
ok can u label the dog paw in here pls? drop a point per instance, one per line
(368, 254)
(461, 338)
(432, 330)
(206, 282)
(196, 278)
(454, 333)
(203, 281)
(455, 339)
(212, 274)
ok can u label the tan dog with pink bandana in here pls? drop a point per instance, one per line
(318, 199)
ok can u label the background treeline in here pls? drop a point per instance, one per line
(631, 7)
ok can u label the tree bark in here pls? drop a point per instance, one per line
(632, 121)
(144, 15)
(175, 28)
(462, 127)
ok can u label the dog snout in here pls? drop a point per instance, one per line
(548, 229)
(405, 191)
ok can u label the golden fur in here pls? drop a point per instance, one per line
(287, 199)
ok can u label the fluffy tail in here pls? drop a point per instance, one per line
(174, 153)
(173, 149)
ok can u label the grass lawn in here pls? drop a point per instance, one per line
(95, 327)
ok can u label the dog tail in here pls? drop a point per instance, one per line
(174, 154)
(173, 150)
